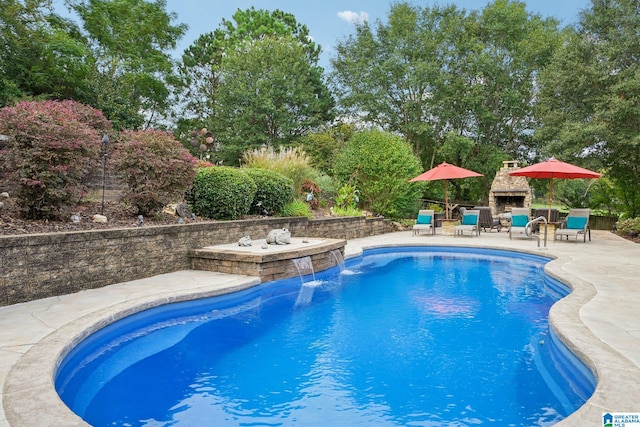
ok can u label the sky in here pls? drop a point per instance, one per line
(330, 21)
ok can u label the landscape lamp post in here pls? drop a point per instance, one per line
(105, 142)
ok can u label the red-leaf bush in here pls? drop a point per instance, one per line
(52, 148)
(157, 169)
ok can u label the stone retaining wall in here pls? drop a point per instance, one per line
(44, 265)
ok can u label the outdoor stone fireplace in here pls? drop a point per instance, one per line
(508, 191)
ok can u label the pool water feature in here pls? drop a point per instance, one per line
(413, 336)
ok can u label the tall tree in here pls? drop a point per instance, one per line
(41, 54)
(389, 74)
(131, 41)
(589, 104)
(202, 62)
(442, 70)
(268, 94)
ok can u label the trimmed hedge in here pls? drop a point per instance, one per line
(273, 191)
(222, 192)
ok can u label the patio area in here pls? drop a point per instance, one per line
(598, 321)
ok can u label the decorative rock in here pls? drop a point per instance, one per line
(99, 218)
(4, 195)
(265, 246)
(183, 210)
(279, 236)
(244, 241)
(170, 209)
(75, 218)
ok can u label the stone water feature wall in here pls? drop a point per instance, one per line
(44, 265)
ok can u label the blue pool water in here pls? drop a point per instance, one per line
(402, 337)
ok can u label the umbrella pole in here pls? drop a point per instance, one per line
(446, 201)
(550, 201)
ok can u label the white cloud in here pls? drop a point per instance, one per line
(353, 17)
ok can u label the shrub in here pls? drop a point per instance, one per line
(52, 149)
(222, 192)
(157, 169)
(312, 193)
(629, 227)
(380, 165)
(296, 208)
(273, 191)
(347, 198)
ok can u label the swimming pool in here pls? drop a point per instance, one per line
(414, 336)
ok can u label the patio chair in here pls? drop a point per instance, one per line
(470, 222)
(487, 221)
(554, 219)
(425, 221)
(520, 217)
(575, 224)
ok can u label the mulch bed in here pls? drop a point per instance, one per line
(118, 216)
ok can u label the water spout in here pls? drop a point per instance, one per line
(337, 255)
(304, 267)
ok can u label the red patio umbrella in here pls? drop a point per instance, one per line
(445, 171)
(554, 168)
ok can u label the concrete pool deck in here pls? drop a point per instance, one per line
(599, 320)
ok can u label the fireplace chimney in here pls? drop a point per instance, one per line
(508, 191)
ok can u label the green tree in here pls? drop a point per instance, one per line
(130, 41)
(41, 54)
(441, 70)
(590, 97)
(268, 94)
(379, 165)
(202, 63)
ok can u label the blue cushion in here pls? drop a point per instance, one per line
(519, 220)
(576, 222)
(423, 219)
(469, 219)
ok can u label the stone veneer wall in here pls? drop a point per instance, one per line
(44, 265)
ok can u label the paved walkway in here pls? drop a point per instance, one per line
(599, 321)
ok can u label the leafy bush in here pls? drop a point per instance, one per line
(347, 197)
(222, 192)
(380, 165)
(629, 226)
(157, 169)
(273, 191)
(52, 149)
(312, 193)
(296, 208)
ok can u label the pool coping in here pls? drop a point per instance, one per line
(29, 382)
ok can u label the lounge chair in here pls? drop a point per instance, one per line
(575, 224)
(487, 221)
(470, 222)
(520, 217)
(424, 221)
